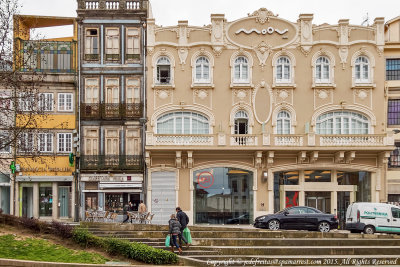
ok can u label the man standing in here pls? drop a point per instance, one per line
(184, 221)
(142, 211)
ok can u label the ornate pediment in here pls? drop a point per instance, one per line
(262, 15)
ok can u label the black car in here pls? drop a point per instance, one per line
(242, 219)
(299, 218)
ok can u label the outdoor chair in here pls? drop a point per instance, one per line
(88, 216)
(113, 216)
(143, 216)
(149, 218)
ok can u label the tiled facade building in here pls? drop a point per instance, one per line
(251, 116)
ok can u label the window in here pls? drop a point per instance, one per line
(112, 44)
(5, 146)
(112, 142)
(91, 142)
(45, 200)
(26, 102)
(163, 70)
(132, 91)
(26, 142)
(394, 112)
(283, 70)
(91, 91)
(45, 142)
(132, 44)
(362, 69)
(65, 142)
(241, 69)
(342, 122)
(283, 123)
(394, 160)
(202, 70)
(65, 102)
(322, 66)
(396, 213)
(112, 89)
(317, 176)
(182, 123)
(393, 69)
(92, 44)
(46, 102)
(241, 122)
(133, 142)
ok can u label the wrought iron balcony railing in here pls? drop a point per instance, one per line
(108, 111)
(46, 56)
(111, 162)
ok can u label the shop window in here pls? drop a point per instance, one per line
(287, 178)
(392, 69)
(65, 102)
(91, 44)
(361, 179)
(114, 202)
(317, 176)
(393, 112)
(342, 122)
(91, 201)
(45, 200)
(163, 70)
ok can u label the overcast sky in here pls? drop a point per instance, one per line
(168, 12)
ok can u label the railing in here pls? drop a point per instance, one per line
(243, 140)
(112, 5)
(47, 56)
(352, 140)
(288, 140)
(109, 111)
(184, 139)
(111, 162)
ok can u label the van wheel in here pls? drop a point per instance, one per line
(370, 230)
(324, 227)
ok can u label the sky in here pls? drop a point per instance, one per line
(168, 12)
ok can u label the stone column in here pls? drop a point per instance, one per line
(55, 204)
(36, 200)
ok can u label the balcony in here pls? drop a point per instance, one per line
(139, 5)
(269, 140)
(111, 162)
(46, 56)
(108, 111)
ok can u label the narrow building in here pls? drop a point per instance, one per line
(111, 104)
(251, 116)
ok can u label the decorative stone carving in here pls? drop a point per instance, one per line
(350, 156)
(190, 159)
(201, 93)
(270, 158)
(283, 94)
(241, 94)
(262, 15)
(183, 53)
(343, 54)
(306, 34)
(302, 156)
(323, 94)
(162, 94)
(263, 50)
(218, 50)
(258, 159)
(339, 157)
(362, 94)
(313, 156)
(178, 160)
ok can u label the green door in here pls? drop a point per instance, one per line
(63, 199)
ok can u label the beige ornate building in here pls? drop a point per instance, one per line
(251, 116)
(392, 57)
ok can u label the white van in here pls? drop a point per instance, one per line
(373, 217)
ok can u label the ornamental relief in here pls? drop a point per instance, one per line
(283, 96)
(322, 97)
(202, 97)
(363, 97)
(241, 95)
(162, 97)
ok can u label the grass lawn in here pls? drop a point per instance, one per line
(12, 247)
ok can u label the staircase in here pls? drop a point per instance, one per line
(239, 246)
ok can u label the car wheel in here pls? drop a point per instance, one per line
(324, 227)
(274, 225)
(370, 230)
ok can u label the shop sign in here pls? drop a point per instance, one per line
(42, 169)
(100, 178)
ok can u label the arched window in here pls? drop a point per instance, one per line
(241, 73)
(202, 70)
(182, 123)
(342, 122)
(241, 122)
(163, 70)
(362, 69)
(283, 123)
(322, 70)
(283, 70)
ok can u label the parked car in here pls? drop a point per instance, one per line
(373, 217)
(300, 218)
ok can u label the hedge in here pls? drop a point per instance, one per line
(132, 250)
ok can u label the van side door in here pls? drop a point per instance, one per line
(395, 223)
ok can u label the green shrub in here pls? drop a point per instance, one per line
(62, 229)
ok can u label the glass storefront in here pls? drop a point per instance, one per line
(317, 176)
(223, 196)
(45, 200)
(91, 201)
(115, 202)
(319, 200)
(361, 179)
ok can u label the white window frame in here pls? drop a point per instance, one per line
(158, 64)
(26, 103)
(65, 97)
(241, 116)
(24, 140)
(339, 117)
(92, 87)
(238, 76)
(90, 40)
(201, 66)
(320, 68)
(47, 139)
(285, 67)
(280, 122)
(132, 95)
(131, 40)
(63, 145)
(5, 149)
(115, 91)
(360, 78)
(45, 102)
(182, 127)
(112, 42)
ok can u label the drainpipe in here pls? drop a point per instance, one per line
(77, 156)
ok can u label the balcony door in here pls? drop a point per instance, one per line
(112, 147)
(112, 98)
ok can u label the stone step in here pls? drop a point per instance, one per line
(304, 250)
(277, 260)
(274, 242)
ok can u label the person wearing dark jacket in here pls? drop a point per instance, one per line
(184, 221)
(174, 231)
